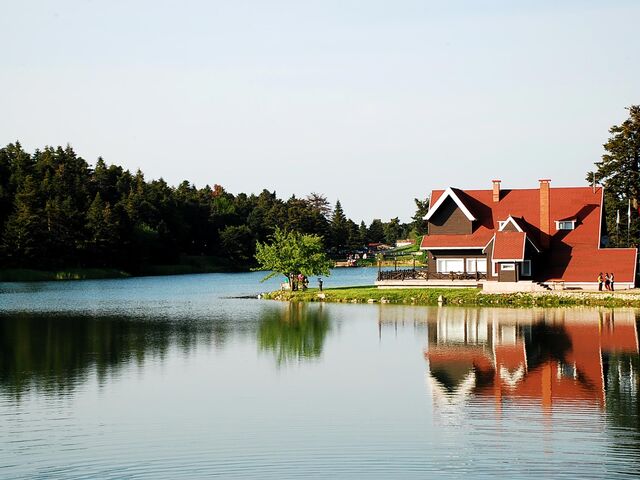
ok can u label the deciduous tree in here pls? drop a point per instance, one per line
(291, 252)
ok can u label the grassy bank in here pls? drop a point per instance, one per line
(460, 297)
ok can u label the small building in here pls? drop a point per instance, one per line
(405, 242)
(523, 238)
(378, 247)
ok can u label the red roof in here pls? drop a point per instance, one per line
(478, 239)
(509, 246)
(574, 255)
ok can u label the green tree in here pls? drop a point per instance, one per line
(23, 233)
(619, 172)
(60, 235)
(292, 252)
(103, 229)
(354, 241)
(363, 233)
(320, 204)
(419, 223)
(339, 228)
(392, 231)
(238, 243)
(376, 231)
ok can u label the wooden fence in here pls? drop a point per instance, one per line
(414, 274)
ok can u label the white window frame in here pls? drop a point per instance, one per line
(525, 268)
(507, 267)
(474, 263)
(565, 224)
(441, 261)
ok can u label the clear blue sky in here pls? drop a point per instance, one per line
(372, 102)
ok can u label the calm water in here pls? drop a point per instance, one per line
(171, 377)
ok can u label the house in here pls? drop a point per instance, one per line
(523, 239)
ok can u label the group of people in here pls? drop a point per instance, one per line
(298, 282)
(352, 259)
(608, 279)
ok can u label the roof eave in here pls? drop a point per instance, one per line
(449, 193)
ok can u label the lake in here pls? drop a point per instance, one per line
(177, 377)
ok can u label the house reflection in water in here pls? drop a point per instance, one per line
(545, 356)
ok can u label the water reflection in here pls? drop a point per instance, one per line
(549, 357)
(294, 334)
(199, 392)
(55, 352)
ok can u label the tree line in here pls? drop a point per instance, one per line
(57, 211)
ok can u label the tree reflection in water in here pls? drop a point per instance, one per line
(296, 333)
(53, 353)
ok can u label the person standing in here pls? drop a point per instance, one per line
(600, 279)
(320, 283)
(607, 285)
(611, 281)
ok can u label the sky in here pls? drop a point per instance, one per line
(371, 102)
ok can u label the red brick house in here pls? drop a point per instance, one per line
(539, 236)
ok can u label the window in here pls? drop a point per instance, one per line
(507, 267)
(566, 224)
(446, 265)
(477, 265)
(525, 268)
(567, 370)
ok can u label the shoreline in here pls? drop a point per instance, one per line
(459, 297)
(21, 275)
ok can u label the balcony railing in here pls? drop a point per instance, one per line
(413, 274)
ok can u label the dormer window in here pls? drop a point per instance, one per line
(503, 224)
(565, 224)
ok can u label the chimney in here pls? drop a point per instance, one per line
(496, 191)
(545, 224)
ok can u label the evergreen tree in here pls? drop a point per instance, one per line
(419, 223)
(23, 232)
(339, 228)
(60, 239)
(238, 243)
(320, 204)
(392, 231)
(619, 172)
(103, 232)
(376, 231)
(363, 233)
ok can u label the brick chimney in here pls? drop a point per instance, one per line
(545, 221)
(496, 191)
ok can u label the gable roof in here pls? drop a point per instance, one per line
(511, 220)
(509, 246)
(450, 193)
